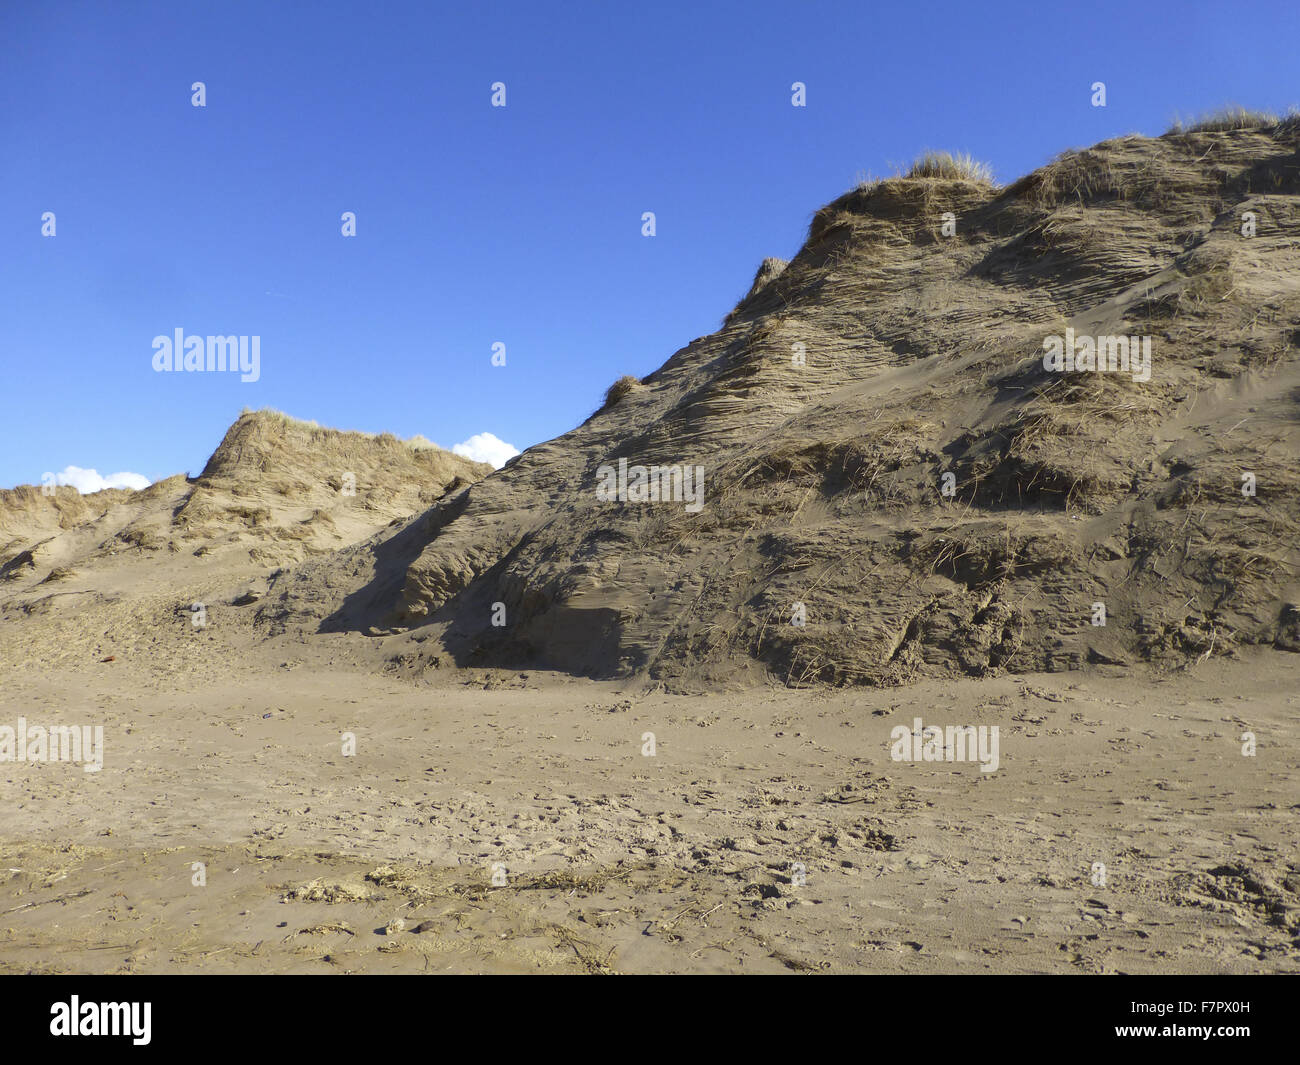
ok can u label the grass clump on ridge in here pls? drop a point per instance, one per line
(270, 414)
(951, 167)
(620, 388)
(1227, 118)
(317, 432)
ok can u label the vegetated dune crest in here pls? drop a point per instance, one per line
(831, 405)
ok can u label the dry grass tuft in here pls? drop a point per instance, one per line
(1227, 118)
(950, 167)
(270, 414)
(281, 424)
(620, 388)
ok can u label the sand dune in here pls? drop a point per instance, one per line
(369, 706)
(881, 442)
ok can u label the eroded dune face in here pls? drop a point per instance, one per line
(116, 566)
(887, 458)
(964, 430)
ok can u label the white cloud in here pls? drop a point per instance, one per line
(484, 447)
(87, 481)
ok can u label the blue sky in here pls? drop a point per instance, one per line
(477, 225)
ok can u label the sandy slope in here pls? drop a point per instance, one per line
(836, 398)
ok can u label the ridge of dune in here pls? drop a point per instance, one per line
(886, 454)
(275, 491)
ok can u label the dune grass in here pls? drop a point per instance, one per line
(1227, 118)
(620, 388)
(951, 166)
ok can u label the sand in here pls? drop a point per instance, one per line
(607, 860)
